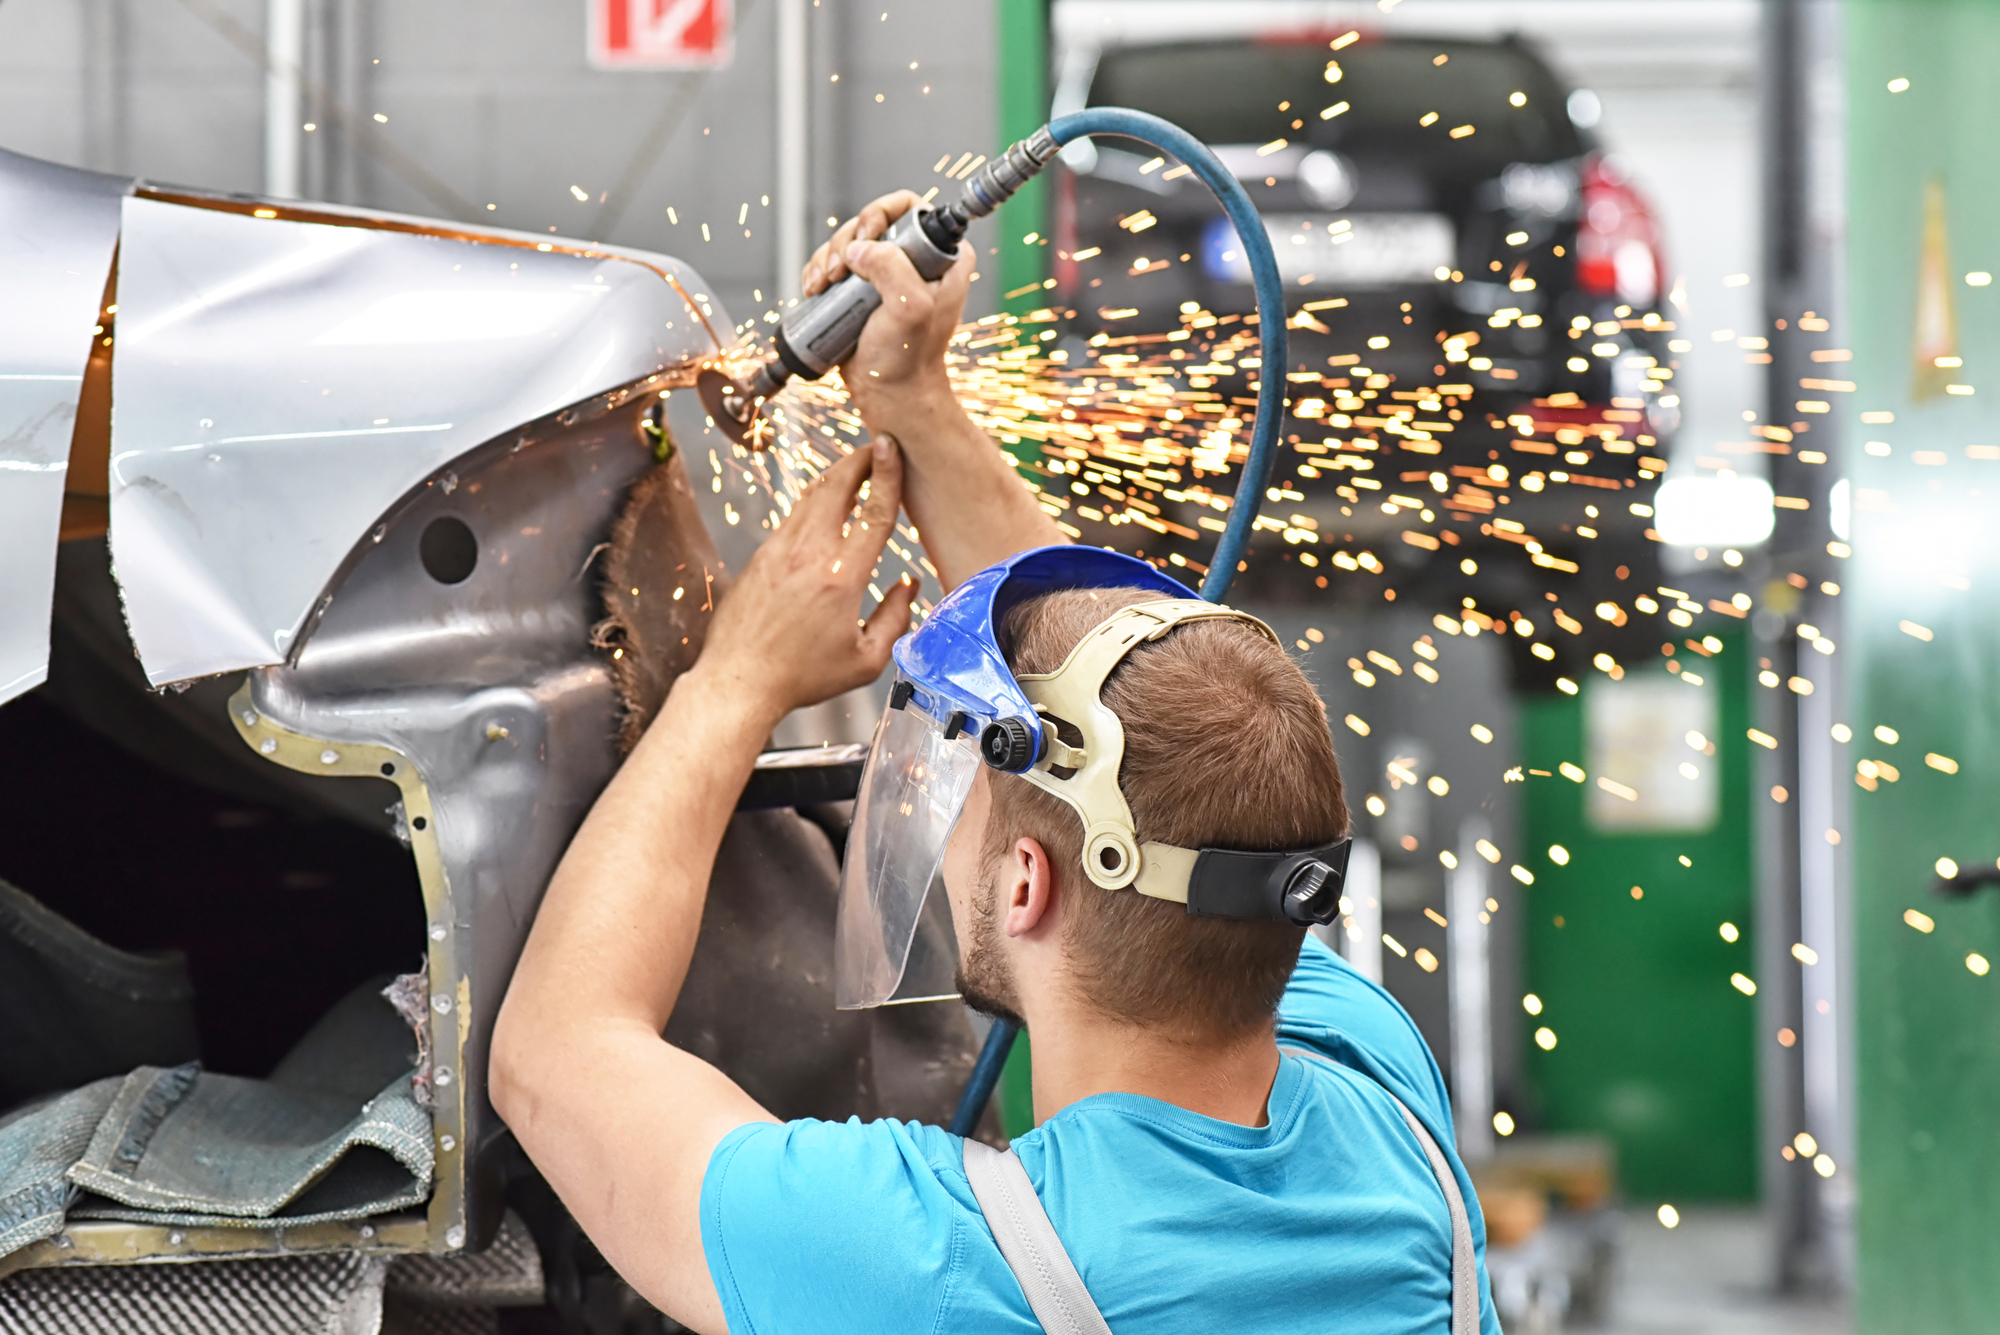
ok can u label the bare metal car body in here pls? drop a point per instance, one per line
(370, 461)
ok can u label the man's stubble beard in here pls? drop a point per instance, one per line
(984, 981)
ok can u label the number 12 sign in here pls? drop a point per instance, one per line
(660, 34)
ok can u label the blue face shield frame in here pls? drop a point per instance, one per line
(956, 704)
(953, 668)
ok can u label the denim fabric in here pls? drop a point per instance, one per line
(298, 1156)
(37, 1147)
(73, 1009)
(335, 1133)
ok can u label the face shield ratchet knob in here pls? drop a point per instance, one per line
(1312, 894)
(1008, 744)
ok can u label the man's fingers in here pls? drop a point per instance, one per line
(878, 213)
(905, 296)
(825, 504)
(885, 495)
(956, 283)
(829, 263)
(887, 623)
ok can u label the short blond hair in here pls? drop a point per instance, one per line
(1226, 746)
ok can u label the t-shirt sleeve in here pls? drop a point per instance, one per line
(833, 1226)
(1328, 1006)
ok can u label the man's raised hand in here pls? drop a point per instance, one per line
(786, 632)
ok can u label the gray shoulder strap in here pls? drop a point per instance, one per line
(1464, 1268)
(1029, 1243)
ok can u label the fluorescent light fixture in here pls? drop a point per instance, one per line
(1714, 511)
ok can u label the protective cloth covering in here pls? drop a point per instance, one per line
(952, 684)
(335, 1132)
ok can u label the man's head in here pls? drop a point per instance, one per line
(1226, 746)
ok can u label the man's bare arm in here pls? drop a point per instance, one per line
(621, 1123)
(970, 508)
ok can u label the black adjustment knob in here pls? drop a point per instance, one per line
(1312, 895)
(1008, 745)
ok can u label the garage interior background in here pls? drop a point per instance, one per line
(1745, 123)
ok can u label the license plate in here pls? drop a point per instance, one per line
(1352, 249)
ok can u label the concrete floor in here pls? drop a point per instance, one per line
(1709, 1276)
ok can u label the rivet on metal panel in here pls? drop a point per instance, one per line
(249, 718)
(367, 1232)
(495, 733)
(448, 483)
(176, 1238)
(441, 1003)
(455, 1236)
(442, 1076)
(268, 746)
(437, 932)
(329, 757)
(447, 1143)
(381, 532)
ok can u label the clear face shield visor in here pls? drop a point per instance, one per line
(912, 793)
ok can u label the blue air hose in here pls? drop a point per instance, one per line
(1256, 243)
(1229, 549)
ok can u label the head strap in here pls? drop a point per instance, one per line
(1086, 777)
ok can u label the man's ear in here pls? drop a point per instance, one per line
(1031, 889)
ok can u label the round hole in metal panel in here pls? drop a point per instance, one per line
(448, 549)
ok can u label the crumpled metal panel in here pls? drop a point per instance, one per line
(58, 227)
(279, 385)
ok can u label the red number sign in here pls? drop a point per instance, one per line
(659, 34)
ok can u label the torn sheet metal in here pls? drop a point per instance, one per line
(58, 227)
(280, 384)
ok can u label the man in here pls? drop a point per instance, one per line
(1197, 1176)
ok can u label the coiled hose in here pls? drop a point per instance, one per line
(1170, 139)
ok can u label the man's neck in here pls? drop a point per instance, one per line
(1079, 1053)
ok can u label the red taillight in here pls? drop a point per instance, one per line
(1617, 239)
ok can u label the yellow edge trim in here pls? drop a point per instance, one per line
(111, 1241)
(319, 755)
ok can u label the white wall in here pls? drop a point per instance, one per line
(495, 102)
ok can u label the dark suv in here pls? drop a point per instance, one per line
(1439, 209)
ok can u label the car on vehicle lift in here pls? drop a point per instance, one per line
(1443, 216)
(1424, 196)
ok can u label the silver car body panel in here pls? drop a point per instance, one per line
(58, 228)
(279, 383)
(484, 702)
(300, 394)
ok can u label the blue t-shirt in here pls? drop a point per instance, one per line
(1327, 1218)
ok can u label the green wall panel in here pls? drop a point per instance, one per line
(1024, 108)
(1927, 1027)
(1654, 1043)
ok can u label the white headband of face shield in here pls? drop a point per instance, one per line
(1086, 777)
